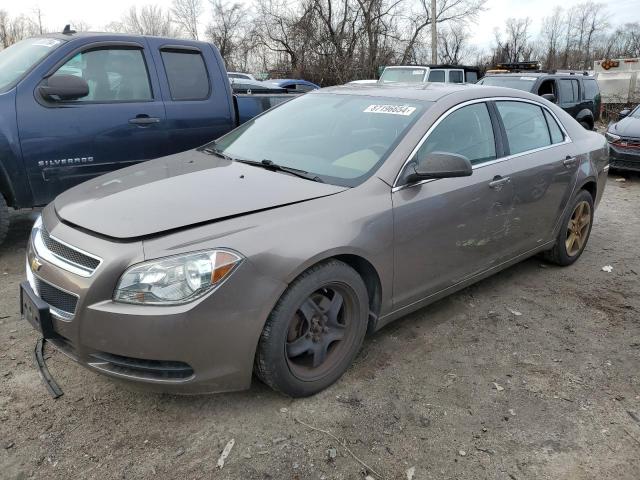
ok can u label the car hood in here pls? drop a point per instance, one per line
(178, 191)
(627, 127)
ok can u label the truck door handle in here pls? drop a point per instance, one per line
(498, 182)
(570, 161)
(144, 120)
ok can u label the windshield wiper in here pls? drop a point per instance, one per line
(212, 150)
(274, 167)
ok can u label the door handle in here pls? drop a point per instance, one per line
(144, 120)
(570, 161)
(498, 182)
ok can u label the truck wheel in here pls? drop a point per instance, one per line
(573, 236)
(586, 125)
(315, 330)
(4, 219)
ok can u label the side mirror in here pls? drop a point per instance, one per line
(549, 96)
(440, 165)
(64, 87)
(624, 113)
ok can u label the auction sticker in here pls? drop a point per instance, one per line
(390, 109)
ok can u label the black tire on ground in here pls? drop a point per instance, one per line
(586, 125)
(4, 219)
(300, 328)
(560, 254)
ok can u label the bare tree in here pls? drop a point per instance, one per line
(13, 30)
(552, 28)
(453, 45)
(186, 13)
(228, 31)
(149, 20)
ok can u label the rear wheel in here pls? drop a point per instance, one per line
(586, 125)
(573, 236)
(4, 219)
(315, 331)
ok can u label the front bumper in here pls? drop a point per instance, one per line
(624, 158)
(202, 347)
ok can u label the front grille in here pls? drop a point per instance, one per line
(625, 164)
(67, 253)
(58, 299)
(141, 368)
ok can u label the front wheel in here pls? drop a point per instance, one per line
(315, 330)
(575, 231)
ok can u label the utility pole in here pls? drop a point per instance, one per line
(434, 34)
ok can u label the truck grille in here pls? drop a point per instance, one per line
(69, 254)
(60, 300)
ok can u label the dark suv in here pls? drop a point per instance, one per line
(576, 93)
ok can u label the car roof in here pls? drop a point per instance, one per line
(430, 92)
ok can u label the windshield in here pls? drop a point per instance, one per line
(405, 75)
(635, 113)
(342, 139)
(21, 57)
(521, 83)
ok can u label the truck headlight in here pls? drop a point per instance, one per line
(176, 280)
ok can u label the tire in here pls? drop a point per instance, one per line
(4, 219)
(565, 252)
(586, 126)
(327, 301)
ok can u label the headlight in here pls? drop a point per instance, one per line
(176, 280)
(612, 137)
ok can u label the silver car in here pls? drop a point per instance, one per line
(275, 249)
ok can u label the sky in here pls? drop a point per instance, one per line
(57, 13)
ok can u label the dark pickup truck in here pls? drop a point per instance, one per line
(77, 105)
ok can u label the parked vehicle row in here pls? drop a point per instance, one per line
(74, 106)
(275, 248)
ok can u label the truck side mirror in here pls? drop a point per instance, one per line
(64, 87)
(550, 97)
(623, 113)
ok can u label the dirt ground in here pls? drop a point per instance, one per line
(531, 374)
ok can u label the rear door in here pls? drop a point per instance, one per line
(450, 229)
(196, 92)
(542, 172)
(569, 90)
(118, 124)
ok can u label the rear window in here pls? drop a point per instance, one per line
(591, 90)
(187, 74)
(521, 83)
(472, 77)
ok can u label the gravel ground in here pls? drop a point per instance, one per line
(531, 374)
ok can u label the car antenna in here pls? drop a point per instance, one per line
(67, 30)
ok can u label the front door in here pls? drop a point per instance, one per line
(120, 122)
(449, 229)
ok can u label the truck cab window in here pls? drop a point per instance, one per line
(187, 74)
(113, 75)
(436, 76)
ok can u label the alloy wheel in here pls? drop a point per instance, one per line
(578, 228)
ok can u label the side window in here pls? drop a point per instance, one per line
(525, 126)
(187, 74)
(566, 91)
(303, 88)
(455, 76)
(472, 77)
(113, 75)
(436, 76)
(591, 90)
(467, 131)
(554, 129)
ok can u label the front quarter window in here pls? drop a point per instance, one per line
(17, 60)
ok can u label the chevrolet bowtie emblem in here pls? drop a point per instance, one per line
(35, 264)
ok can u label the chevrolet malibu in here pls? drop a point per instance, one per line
(275, 249)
